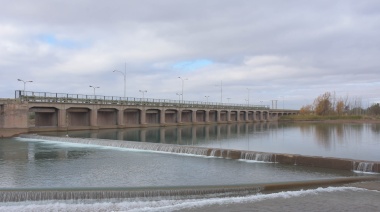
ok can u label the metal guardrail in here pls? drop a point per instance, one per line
(31, 96)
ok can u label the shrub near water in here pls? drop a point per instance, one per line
(318, 118)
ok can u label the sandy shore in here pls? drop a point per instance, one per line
(362, 197)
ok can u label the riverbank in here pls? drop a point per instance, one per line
(329, 119)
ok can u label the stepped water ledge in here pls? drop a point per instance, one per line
(291, 159)
(160, 193)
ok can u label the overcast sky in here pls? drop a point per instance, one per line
(290, 51)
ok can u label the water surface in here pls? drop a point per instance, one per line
(349, 140)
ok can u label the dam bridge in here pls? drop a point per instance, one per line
(41, 111)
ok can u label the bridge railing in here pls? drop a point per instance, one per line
(31, 96)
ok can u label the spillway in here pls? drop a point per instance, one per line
(291, 159)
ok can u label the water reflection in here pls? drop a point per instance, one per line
(356, 141)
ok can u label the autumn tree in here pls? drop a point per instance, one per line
(322, 104)
(306, 110)
(339, 108)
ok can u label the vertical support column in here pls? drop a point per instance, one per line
(179, 116)
(261, 115)
(207, 116)
(276, 117)
(120, 117)
(162, 116)
(218, 115)
(194, 116)
(94, 117)
(238, 116)
(143, 117)
(62, 118)
(228, 115)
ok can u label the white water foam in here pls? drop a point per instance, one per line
(161, 205)
(363, 167)
(161, 150)
(257, 157)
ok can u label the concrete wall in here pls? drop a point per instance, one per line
(14, 115)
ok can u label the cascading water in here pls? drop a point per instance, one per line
(128, 144)
(262, 157)
(128, 193)
(363, 166)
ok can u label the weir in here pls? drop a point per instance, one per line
(290, 159)
(19, 195)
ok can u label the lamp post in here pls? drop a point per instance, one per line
(207, 98)
(248, 95)
(183, 82)
(94, 88)
(221, 91)
(179, 96)
(143, 91)
(125, 78)
(24, 83)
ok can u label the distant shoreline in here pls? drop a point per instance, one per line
(330, 119)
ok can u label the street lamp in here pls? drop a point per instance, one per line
(143, 91)
(221, 91)
(207, 98)
(183, 82)
(24, 83)
(125, 77)
(248, 95)
(179, 96)
(94, 88)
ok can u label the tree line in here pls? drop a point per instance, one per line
(329, 104)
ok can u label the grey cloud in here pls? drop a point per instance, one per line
(327, 45)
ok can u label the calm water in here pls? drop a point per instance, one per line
(26, 163)
(42, 164)
(353, 141)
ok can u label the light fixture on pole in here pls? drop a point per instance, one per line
(94, 88)
(24, 83)
(248, 95)
(143, 91)
(207, 98)
(125, 78)
(183, 82)
(221, 91)
(179, 96)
